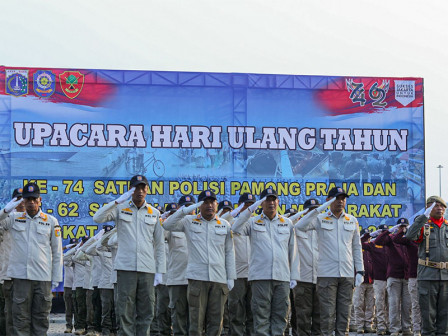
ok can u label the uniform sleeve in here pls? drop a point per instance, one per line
(159, 248)
(357, 251)
(92, 249)
(242, 225)
(5, 220)
(308, 222)
(230, 256)
(175, 222)
(56, 253)
(383, 239)
(106, 213)
(399, 238)
(294, 263)
(415, 229)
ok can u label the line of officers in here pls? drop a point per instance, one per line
(218, 266)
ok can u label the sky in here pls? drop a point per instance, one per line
(315, 37)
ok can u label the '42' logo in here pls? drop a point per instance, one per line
(377, 92)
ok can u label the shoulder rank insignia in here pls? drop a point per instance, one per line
(57, 231)
(127, 210)
(44, 216)
(149, 209)
(282, 220)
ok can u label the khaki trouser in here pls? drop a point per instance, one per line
(206, 301)
(307, 309)
(163, 314)
(135, 302)
(31, 307)
(179, 309)
(399, 305)
(270, 306)
(240, 313)
(335, 298)
(107, 311)
(68, 301)
(364, 302)
(433, 299)
(381, 304)
(416, 315)
(81, 307)
(7, 295)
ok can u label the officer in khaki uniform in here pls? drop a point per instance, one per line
(140, 256)
(211, 262)
(5, 281)
(35, 262)
(177, 281)
(240, 297)
(340, 256)
(305, 293)
(273, 250)
(430, 231)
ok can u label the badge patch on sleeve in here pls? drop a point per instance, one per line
(57, 231)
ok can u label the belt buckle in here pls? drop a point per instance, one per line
(432, 264)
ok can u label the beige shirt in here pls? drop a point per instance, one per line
(339, 244)
(36, 246)
(211, 255)
(141, 245)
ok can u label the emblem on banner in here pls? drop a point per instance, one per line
(71, 83)
(17, 82)
(357, 92)
(44, 83)
(404, 91)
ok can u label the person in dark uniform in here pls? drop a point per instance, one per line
(430, 231)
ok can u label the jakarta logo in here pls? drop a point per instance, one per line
(44, 83)
(71, 83)
(16, 82)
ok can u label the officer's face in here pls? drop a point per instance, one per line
(208, 208)
(140, 192)
(32, 205)
(438, 210)
(338, 205)
(270, 205)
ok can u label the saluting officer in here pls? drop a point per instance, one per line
(339, 257)
(211, 262)
(240, 312)
(5, 281)
(273, 250)
(430, 231)
(140, 256)
(177, 281)
(35, 262)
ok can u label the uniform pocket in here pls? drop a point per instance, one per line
(193, 295)
(43, 234)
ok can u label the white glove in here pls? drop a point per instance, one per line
(157, 279)
(427, 211)
(165, 215)
(236, 211)
(220, 212)
(99, 235)
(394, 228)
(297, 215)
(325, 205)
(12, 204)
(190, 208)
(125, 196)
(292, 284)
(54, 284)
(230, 284)
(254, 206)
(359, 279)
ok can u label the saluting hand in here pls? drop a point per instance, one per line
(254, 206)
(190, 208)
(325, 205)
(236, 211)
(12, 204)
(125, 196)
(427, 211)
